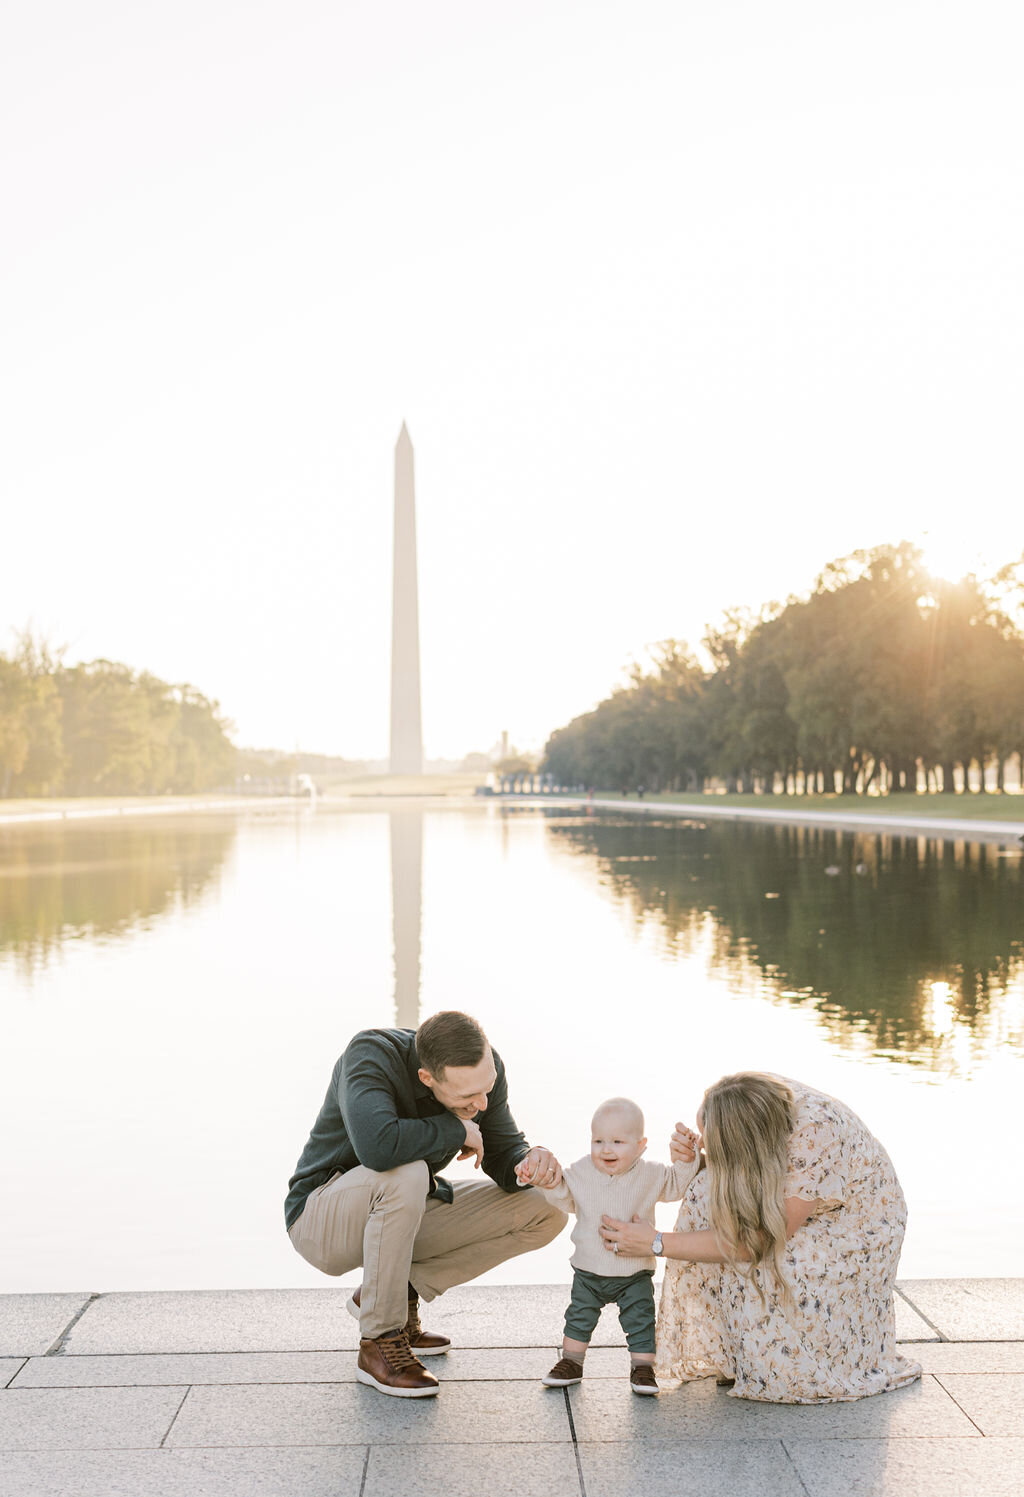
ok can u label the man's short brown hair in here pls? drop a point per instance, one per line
(449, 1039)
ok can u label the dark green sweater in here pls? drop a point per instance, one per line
(378, 1113)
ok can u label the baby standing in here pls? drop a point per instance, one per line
(613, 1180)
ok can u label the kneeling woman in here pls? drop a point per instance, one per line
(783, 1262)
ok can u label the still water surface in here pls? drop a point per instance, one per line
(173, 995)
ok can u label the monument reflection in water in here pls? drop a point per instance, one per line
(406, 837)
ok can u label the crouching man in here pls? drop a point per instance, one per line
(366, 1191)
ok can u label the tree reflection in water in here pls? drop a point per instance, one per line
(911, 946)
(61, 881)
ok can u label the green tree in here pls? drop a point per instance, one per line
(880, 673)
(204, 756)
(107, 730)
(15, 692)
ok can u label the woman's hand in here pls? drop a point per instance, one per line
(631, 1239)
(683, 1145)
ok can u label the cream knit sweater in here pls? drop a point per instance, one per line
(590, 1194)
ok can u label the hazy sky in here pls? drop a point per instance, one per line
(678, 300)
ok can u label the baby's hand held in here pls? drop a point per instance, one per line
(682, 1146)
(523, 1172)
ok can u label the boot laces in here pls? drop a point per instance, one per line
(396, 1351)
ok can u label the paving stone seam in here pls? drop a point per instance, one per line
(331, 1351)
(515, 1444)
(575, 1442)
(57, 1349)
(959, 1405)
(650, 1442)
(793, 1466)
(366, 1467)
(58, 1450)
(949, 1445)
(167, 1431)
(15, 1373)
(945, 1341)
(907, 1300)
(294, 1382)
(311, 1351)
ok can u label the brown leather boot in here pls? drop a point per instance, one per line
(387, 1364)
(424, 1343)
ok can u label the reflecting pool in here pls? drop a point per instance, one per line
(174, 992)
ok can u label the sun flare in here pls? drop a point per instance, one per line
(950, 554)
(947, 557)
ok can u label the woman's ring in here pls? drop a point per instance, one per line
(615, 1247)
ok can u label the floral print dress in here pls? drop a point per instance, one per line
(836, 1340)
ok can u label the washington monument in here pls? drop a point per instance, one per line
(406, 721)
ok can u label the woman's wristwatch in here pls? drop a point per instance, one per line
(657, 1246)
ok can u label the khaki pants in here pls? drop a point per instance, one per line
(383, 1222)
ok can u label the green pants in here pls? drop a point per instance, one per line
(632, 1296)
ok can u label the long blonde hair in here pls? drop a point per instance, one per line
(748, 1120)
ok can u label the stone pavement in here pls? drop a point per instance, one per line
(253, 1394)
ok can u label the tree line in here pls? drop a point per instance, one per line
(953, 912)
(883, 679)
(103, 729)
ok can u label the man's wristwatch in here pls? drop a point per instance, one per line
(657, 1246)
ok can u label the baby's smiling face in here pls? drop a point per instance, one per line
(616, 1139)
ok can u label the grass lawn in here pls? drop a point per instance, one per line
(948, 807)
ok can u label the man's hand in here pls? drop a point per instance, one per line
(474, 1142)
(539, 1167)
(682, 1146)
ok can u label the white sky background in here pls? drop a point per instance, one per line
(679, 301)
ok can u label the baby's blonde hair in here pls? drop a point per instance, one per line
(748, 1120)
(626, 1109)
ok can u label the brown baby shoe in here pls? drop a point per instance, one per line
(564, 1373)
